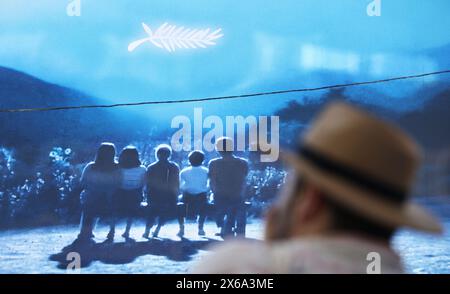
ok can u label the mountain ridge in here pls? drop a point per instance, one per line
(32, 132)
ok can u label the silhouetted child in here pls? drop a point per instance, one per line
(194, 185)
(163, 183)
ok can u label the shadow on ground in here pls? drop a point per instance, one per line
(127, 252)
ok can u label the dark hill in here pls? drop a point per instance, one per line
(37, 132)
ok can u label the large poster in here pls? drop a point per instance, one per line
(137, 136)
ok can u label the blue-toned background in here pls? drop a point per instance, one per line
(267, 45)
(49, 59)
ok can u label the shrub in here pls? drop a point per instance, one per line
(51, 194)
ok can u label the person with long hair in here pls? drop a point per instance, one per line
(128, 197)
(98, 181)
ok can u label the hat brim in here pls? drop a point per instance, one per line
(363, 201)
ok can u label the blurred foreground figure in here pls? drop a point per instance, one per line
(347, 194)
(227, 175)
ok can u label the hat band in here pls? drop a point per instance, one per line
(353, 176)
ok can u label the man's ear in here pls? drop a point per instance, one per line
(272, 223)
(310, 205)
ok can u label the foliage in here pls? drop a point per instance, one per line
(51, 195)
(262, 186)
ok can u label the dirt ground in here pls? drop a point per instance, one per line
(42, 250)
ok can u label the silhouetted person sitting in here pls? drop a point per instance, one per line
(128, 198)
(162, 191)
(227, 176)
(99, 181)
(194, 185)
(348, 193)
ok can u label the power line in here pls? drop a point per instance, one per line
(226, 97)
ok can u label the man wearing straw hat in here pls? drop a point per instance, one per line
(347, 193)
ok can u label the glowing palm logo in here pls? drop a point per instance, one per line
(171, 37)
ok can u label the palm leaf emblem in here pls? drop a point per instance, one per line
(171, 38)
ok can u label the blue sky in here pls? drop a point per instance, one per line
(266, 44)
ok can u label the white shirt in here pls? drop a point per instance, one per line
(332, 255)
(194, 179)
(133, 178)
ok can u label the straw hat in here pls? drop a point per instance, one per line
(367, 165)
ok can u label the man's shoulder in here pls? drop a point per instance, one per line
(214, 161)
(173, 165)
(235, 257)
(157, 164)
(242, 160)
(151, 165)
